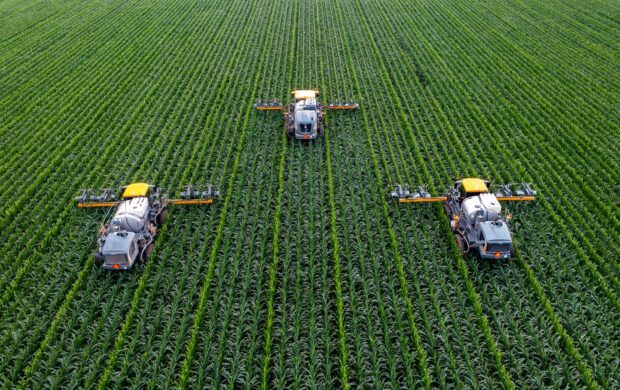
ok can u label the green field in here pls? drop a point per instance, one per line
(305, 273)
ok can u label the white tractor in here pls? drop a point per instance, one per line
(304, 116)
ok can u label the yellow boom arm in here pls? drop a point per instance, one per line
(434, 199)
(97, 204)
(515, 198)
(190, 201)
(270, 108)
(353, 106)
(170, 201)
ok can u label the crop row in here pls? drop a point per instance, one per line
(173, 146)
(64, 275)
(379, 124)
(560, 259)
(494, 164)
(229, 290)
(305, 274)
(198, 340)
(427, 333)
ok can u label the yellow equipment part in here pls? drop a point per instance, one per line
(305, 94)
(473, 185)
(170, 201)
(97, 204)
(190, 201)
(515, 198)
(135, 190)
(423, 200)
(271, 108)
(341, 107)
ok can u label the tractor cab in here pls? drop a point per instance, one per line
(497, 240)
(307, 119)
(119, 251)
(132, 227)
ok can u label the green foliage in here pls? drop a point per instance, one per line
(305, 275)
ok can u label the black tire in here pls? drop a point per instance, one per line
(321, 129)
(460, 241)
(161, 217)
(98, 259)
(146, 253)
(448, 210)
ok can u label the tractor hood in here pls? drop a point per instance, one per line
(495, 231)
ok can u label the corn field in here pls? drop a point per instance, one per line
(304, 274)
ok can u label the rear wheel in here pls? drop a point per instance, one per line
(448, 210)
(98, 259)
(290, 125)
(321, 129)
(460, 241)
(161, 217)
(146, 253)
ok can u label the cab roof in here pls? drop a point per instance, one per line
(305, 94)
(305, 117)
(495, 231)
(118, 243)
(473, 185)
(135, 190)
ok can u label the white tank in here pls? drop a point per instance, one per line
(131, 215)
(485, 202)
(490, 202)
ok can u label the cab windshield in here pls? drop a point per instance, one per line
(498, 247)
(116, 259)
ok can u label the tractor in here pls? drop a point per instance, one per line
(128, 237)
(475, 214)
(304, 116)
